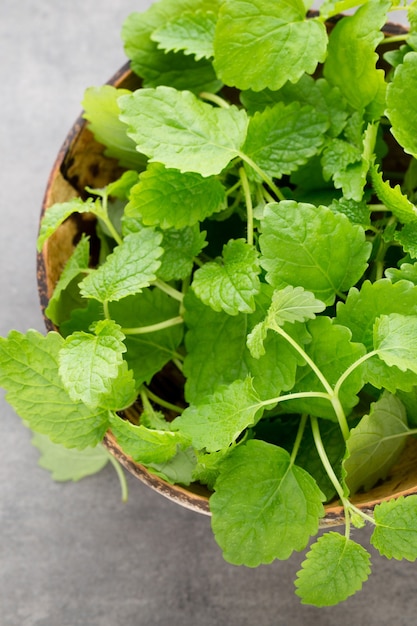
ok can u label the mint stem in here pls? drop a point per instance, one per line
(152, 328)
(263, 176)
(174, 293)
(121, 476)
(249, 206)
(297, 442)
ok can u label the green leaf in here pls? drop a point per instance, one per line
(123, 390)
(182, 132)
(145, 445)
(192, 32)
(29, 374)
(168, 199)
(407, 271)
(285, 136)
(335, 568)
(395, 535)
(315, 92)
(58, 213)
(179, 470)
(395, 340)
(264, 507)
(407, 237)
(342, 161)
(402, 103)
(180, 249)
(102, 113)
(355, 37)
(376, 443)
(57, 309)
(65, 464)
(219, 419)
(147, 353)
(312, 247)
(230, 283)
(356, 212)
(157, 67)
(207, 364)
(250, 34)
(131, 267)
(88, 363)
(333, 351)
(393, 198)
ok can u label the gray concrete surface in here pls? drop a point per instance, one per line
(73, 554)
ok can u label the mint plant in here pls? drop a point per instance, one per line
(260, 244)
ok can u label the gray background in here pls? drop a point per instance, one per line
(72, 554)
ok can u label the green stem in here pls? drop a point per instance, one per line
(394, 39)
(174, 293)
(297, 442)
(263, 176)
(325, 459)
(106, 310)
(295, 396)
(121, 476)
(249, 205)
(350, 369)
(212, 97)
(365, 516)
(164, 403)
(152, 328)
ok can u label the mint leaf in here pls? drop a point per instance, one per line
(102, 113)
(248, 34)
(342, 161)
(407, 237)
(29, 374)
(182, 132)
(219, 419)
(230, 283)
(178, 470)
(168, 199)
(257, 521)
(395, 535)
(406, 271)
(58, 213)
(88, 363)
(148, 352)
(207, 364)
(57, 309)
(127, 270)
(65, 464)
(393, 198)
(284, 136)
(395, 340)
(375, 443)
(312, 247)
(145, 445)
(180, 249)
(333, 351)
(335, 568)
(192, 32)
(401, 103)
(356, 37)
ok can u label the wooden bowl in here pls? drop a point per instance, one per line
(81, 162)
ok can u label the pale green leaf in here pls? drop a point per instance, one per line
(65, 464)
(102, 113)
(168, 199)
(285, 136)
(145, 445)
(406, 271)
(402, 103)
(207, 364)
(335, 568)
(229, 284)
(219, 419)
(123, 390)
(395, 535)
(393, 198)
(191, 32)
(88, 363)
(355, 37)
(312, 247)
(131, 267)
(374, 445)
(56, 214)
(182, 132)
(249, 34)
(29, 374)
(395, 340)
(178, 470)
(293, 304)
(264, 507)
(407, 237)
